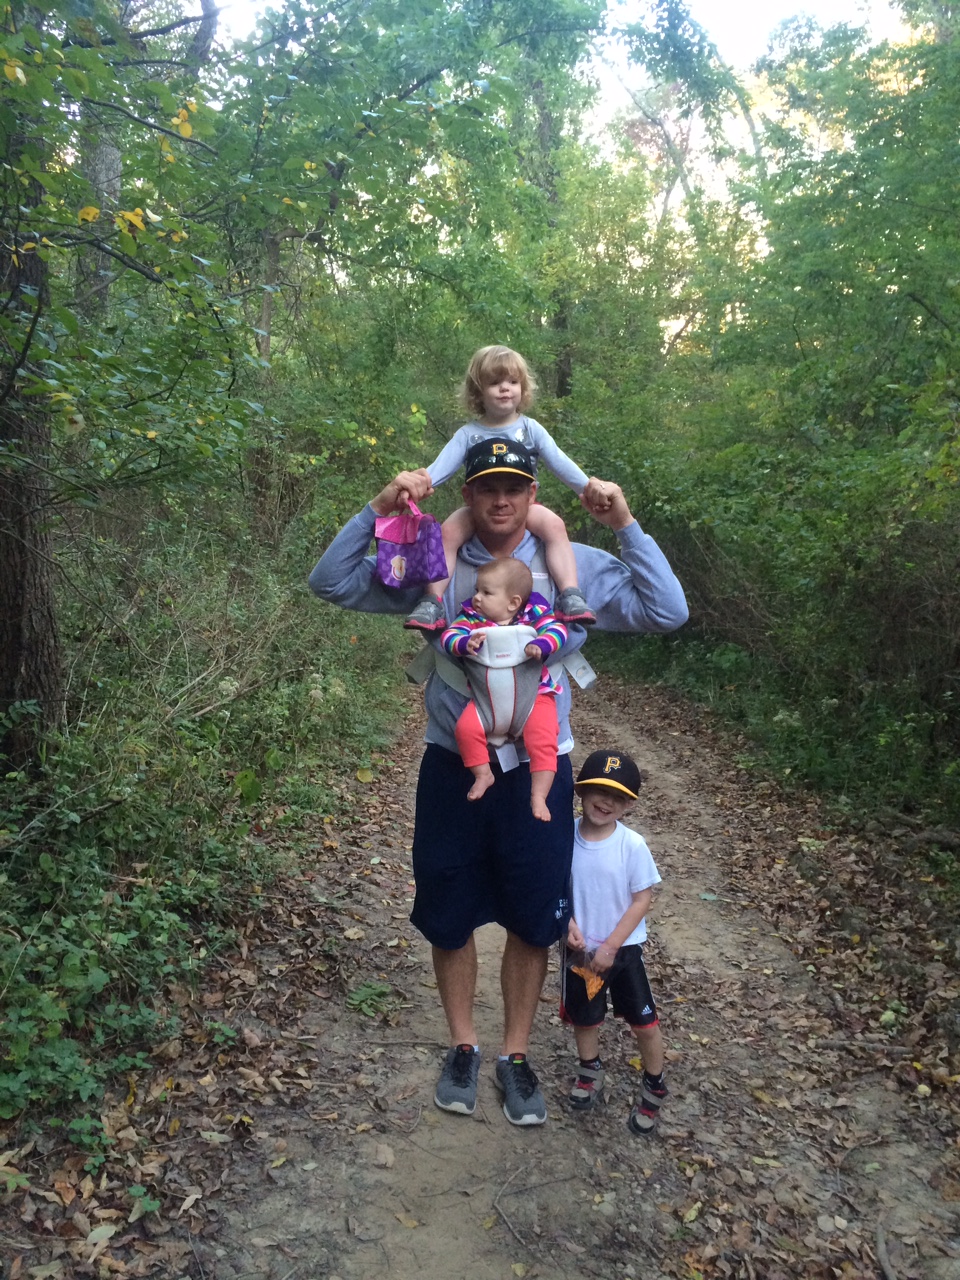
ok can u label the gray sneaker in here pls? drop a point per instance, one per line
(571, 606)
(457, 1086)
(522, 1100)
(427, 616)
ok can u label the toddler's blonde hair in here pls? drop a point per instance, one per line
(486, 366)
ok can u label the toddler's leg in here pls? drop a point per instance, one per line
(570, 605)
(540, 738)
(653, 1090)
(428, 615)
(588, 1087)
(474, 751)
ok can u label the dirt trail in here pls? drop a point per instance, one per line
(778, 1154)
(801, 1139)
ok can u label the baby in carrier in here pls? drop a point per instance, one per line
(505, 634)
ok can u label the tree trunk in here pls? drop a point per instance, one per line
(31, 674)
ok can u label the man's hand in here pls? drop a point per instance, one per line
(575, 939)
(595, 496)
(407, 486)
(616, 514)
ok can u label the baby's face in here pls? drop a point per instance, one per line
(492, 599)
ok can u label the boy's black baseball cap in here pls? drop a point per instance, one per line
(610, 769)
(487, 457)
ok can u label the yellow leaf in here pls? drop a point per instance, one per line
(364, 775)
(287, 200)
(489, 1222)
(151, 435)
(134, 216)
(519, 1269)
(406, 1221)
(191, 105)
(693, 1212)
(186, 129)
(173, 1128)
(31, 244)
(89, 213)
(636, 1063)
(14, 71)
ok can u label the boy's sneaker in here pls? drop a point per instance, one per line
(643, 1117)
(587, 1089)
(457, 1086)
(427, 616)
(522, 1100)
(571, 606)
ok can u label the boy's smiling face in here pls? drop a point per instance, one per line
(603, 807)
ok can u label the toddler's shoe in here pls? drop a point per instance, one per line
(571, 606)
(427, 616)
(644, 1116)
(587, 1089)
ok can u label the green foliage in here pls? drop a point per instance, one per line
(370, 998)
(124, 860)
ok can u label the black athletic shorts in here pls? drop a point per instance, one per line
(628, 986)
(490, 860)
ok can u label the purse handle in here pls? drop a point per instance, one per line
(414, 509)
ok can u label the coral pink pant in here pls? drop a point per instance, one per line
(539, 735)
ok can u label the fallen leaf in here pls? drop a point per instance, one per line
(406, 1221)
(384, 1156)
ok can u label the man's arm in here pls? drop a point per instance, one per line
(344, 574)
(639, 592)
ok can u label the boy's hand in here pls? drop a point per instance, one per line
(603, 958)
(475, 644)
(533, 651)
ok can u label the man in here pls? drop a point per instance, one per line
(491, 860)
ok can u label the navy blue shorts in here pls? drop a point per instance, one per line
(627, 982)
(490, 860)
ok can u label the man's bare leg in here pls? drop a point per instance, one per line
(522, 973)
(456, 973)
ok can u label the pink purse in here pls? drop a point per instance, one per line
(409, 549)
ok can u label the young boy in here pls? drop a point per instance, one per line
(504, 597)
(613, 879)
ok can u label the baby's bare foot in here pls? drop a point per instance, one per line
(483, 781)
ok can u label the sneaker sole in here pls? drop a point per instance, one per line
(526, 1121)
(459, 1108)
(422, 626)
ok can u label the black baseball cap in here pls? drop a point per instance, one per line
(487, 457)
(610, 769)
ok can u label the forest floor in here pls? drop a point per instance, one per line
(289, 1132)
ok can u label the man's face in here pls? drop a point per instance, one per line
(499, 503)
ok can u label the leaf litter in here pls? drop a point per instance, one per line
(808, 982)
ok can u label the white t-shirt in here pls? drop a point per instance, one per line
(606, 874)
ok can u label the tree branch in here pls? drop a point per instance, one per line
(149, 124)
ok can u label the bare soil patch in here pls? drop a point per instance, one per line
(806, 1135)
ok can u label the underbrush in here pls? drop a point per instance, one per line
(882, 753)
(211, 701)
